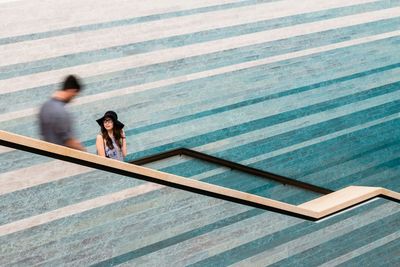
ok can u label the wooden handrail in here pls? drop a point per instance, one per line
(312, 210)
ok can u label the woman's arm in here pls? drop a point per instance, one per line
(124, 150)
(100, 146)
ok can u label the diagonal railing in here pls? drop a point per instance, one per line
(312, 210)
(234, 166)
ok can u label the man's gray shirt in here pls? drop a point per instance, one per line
(55, 122)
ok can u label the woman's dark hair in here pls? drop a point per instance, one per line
(117, 136)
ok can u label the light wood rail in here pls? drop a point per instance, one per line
(312, 210)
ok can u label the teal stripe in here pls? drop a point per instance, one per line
(130, 21)
(343, 153)
(70, 60)
(360, 171)
(358, 177)
(253, 101)
(359, 237)
(387, 178)
(379, 140)
(18, 159)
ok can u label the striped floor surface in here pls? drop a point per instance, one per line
(306, 89)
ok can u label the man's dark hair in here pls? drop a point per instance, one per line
(71, 82)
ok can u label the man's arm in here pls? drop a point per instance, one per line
(75, 144)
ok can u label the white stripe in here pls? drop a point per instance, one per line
(4, 149)
(353, 166)
(347, 210)
(8, 1)
(38, 174)
(73, 13)
(143, 87)
(88, 41)
(77, 208)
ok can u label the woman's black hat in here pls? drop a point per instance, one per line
(114, 117)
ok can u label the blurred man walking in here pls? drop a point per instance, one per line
(55, 122)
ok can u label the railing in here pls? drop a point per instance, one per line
(234, 166)
(312, 210)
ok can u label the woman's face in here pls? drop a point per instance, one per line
(108, 124)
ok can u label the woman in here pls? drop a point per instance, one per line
(111, 142)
